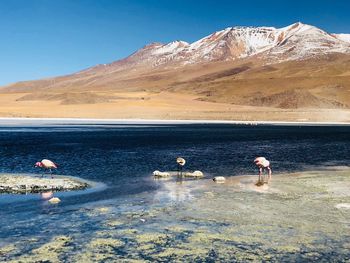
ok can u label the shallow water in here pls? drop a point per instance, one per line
(137, 217)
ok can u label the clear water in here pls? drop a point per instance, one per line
(124, 156)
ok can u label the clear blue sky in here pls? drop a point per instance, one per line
(43, 38)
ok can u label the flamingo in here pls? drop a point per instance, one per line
(180, 164)
(47, 165)
(263, 164)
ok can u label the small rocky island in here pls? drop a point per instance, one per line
(23, 184)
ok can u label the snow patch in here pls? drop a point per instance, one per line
(343, 37)
(293, 42)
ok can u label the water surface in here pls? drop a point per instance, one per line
(123, 158)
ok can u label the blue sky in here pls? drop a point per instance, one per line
(43, 38)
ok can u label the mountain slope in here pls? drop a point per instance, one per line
(295, 67)
(342, 37)
(297, 41)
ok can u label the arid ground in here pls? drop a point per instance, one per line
(247, 89)
(158, 106)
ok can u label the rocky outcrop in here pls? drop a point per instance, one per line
(22, 184)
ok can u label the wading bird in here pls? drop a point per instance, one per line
(47, 165)
(263, 164)
(180, 164)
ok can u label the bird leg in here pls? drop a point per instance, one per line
(179, 170)
(260, 173)
(270, 173)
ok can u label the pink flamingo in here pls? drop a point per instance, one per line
(47, 165)
(263, 164)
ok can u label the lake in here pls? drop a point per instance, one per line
(132, 216)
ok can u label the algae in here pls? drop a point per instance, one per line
(155, 238)
(50, 252)
(295, 218)
(114, 223)
(7, 250)
(99, 250)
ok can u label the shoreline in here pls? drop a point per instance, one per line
(57, 121)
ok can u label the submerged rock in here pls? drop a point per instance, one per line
(22, 184)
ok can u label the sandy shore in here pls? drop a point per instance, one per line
(10, 121)
(162, 106)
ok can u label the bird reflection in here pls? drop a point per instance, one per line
(46, 195)
(175, 191)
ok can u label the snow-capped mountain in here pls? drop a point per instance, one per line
(343, 37)
(295, 42)
(162, 75)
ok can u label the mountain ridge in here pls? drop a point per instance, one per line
(240, 42)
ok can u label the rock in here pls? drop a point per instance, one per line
(219, 179)
(157, 173)
(22, 184)
(54, 200)
(194, 174)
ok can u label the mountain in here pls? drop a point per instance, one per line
(342, 37)
(263, 68)
(297, 41)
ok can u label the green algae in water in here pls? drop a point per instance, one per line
(7, 251)
(156, 238)
(99, 249)
(114, 223)
(294, 218)
(52, 251)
